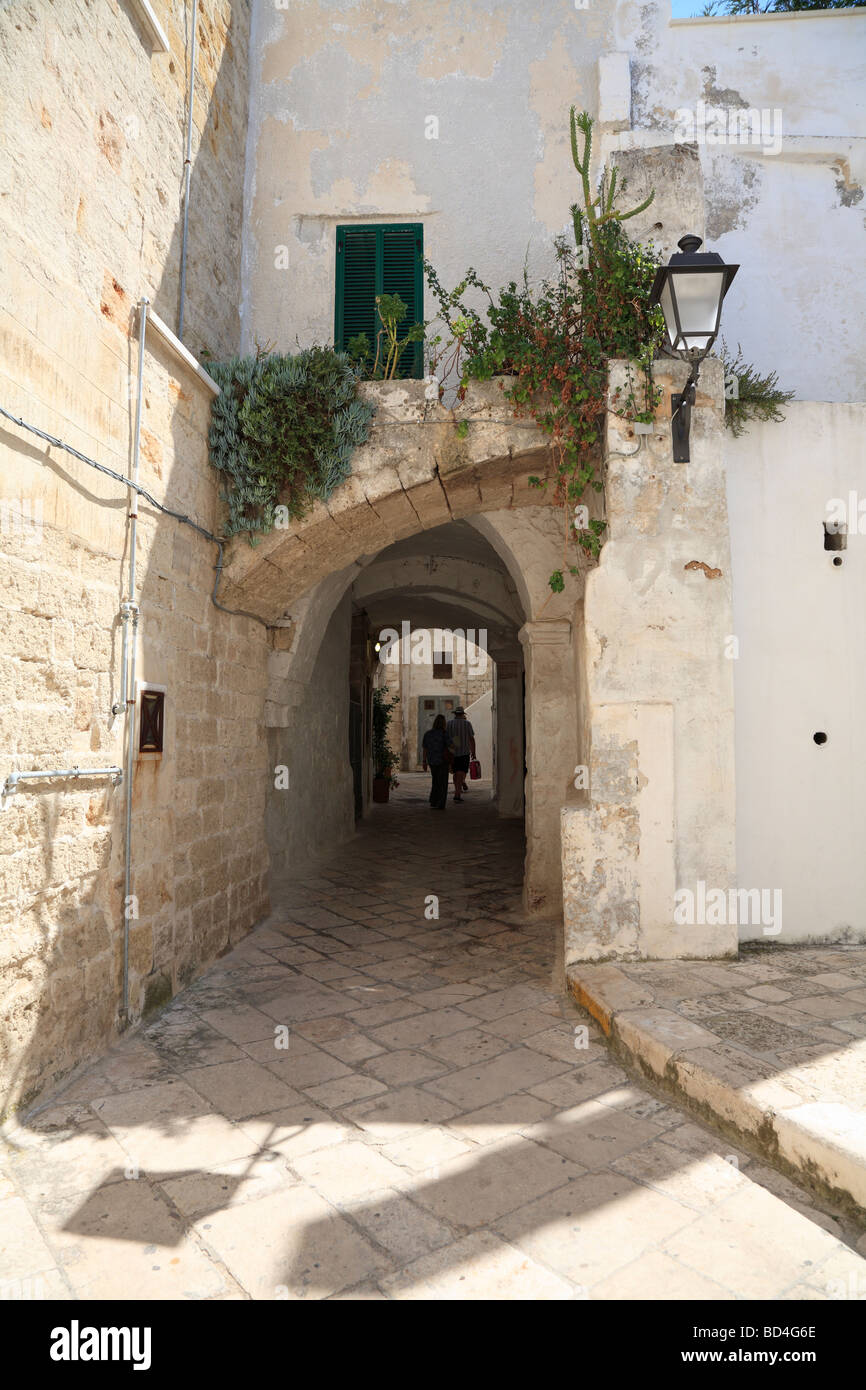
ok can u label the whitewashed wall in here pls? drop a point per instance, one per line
(792, 216)
(801, 808)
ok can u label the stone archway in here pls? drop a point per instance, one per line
(423, 581)
(415, 472)
(627, 672)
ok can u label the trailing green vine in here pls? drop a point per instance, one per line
(555, 341)
(282, 433)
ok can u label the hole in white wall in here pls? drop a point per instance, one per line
(820, 738)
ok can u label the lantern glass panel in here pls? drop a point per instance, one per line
(698, 298)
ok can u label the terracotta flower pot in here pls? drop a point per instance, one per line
(381, 788)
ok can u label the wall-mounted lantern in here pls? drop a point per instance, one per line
(690, 290)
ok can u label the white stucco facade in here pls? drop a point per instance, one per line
(801, 668)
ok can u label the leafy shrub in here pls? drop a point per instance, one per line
(382, 366)
(283, 430)
(756, 396)
(383, 706)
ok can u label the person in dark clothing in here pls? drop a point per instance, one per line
(436, 753)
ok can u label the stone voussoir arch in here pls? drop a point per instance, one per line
(416, 471)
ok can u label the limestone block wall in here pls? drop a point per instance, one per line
(93, 133)
(199, 861)
(405, 479)
(658, 700)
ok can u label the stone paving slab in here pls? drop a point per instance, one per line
(773, 1045)
(444, 1123)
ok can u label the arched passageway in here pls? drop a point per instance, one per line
(436, 527)
(625, 675)
(479, 576)
(449, 581)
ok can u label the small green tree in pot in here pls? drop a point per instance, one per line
(382, 755)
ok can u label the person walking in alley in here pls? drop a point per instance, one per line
(436, 751)
(461, 736)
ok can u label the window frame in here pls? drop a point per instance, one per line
(380, 228)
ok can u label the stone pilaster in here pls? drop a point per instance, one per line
(656, 652)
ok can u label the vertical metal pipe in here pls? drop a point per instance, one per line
(131, 608)
(187, 169)
(119, 706)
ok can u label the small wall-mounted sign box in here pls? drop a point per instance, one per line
(151, 719)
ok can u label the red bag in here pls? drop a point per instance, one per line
(474, 769)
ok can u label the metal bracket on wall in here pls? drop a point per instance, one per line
(11, 783)
(681, 419)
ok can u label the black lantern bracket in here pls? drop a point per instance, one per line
(681, 417)
(681, 423)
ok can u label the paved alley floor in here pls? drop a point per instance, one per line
(385, 1092)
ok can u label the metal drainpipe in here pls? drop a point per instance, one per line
(129, 612)
(187, 169)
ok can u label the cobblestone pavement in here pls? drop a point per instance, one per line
(435, 1128)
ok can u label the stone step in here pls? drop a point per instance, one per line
(818, 1139)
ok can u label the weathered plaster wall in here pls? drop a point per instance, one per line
(93, 137)
(343, 101)
(658, 815)
(480, 715)
(801, 669)
(793, 216)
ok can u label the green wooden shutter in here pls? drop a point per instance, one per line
(385, 259)
(401, 274)
(356, 285)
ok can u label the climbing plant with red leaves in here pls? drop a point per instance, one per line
(555, 340)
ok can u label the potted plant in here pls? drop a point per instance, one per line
(382, 755)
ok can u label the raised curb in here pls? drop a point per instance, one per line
(823, 1144)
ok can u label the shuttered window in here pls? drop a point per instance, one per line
(380, 260)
